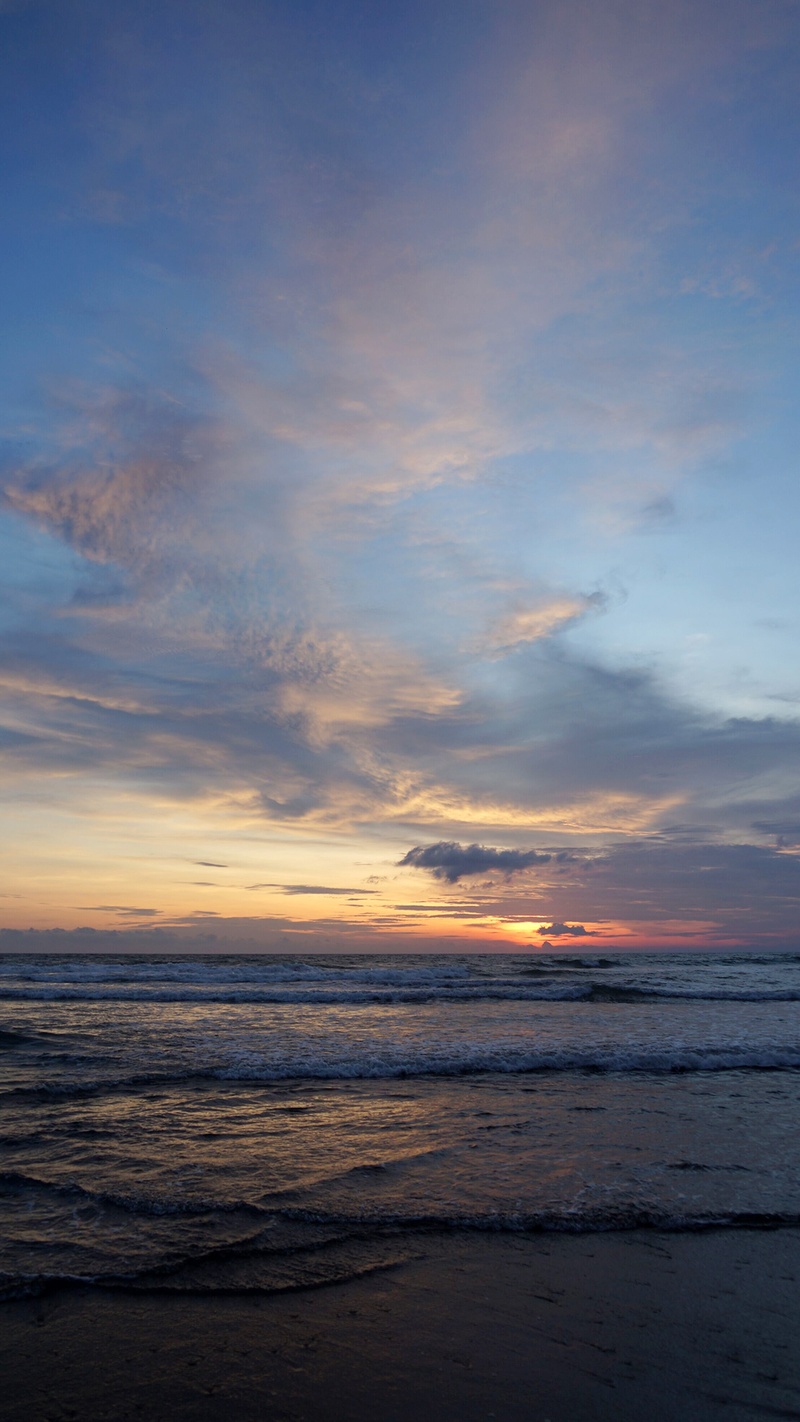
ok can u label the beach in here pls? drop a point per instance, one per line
(634, 1325)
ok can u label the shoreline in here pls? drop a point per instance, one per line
(618, 1326)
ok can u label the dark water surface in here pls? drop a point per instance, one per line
(263, 1123)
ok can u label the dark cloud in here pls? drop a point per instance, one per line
(451, 861)
(209, 864)
(567, 730)
(563, 930)
(744, 893)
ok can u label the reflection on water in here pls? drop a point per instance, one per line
(117, 1183)
(263, 1145)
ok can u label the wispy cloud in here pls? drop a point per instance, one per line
(123, 909)
(523, 625)
(381, 359)
(312, 889)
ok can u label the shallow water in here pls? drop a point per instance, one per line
(269, 1123)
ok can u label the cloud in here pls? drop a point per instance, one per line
(735, 892)
(561, 747)
(524, 625)
(320, 393)
(311, 889)
(563, 930)
(786, 832)
(450, 861)
(124, 482)
(121, 908)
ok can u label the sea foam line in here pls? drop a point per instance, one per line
(255, 1070)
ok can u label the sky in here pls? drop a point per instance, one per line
(398, 486)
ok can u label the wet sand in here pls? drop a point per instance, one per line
(566, 1328)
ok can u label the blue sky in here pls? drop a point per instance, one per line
(399, 450)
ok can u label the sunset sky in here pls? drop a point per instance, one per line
(399, 498)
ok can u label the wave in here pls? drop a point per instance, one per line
(130, 1202)
(333, 1249)
(599, 992)
(325, 996)
(433, 992)
(465, 1060)
(259, 972)
(9, 1038)
(364, 980)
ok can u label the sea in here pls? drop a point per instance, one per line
(263, 1123)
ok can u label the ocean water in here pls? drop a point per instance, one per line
(267, 1123)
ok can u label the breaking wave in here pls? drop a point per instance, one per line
(383, 1064)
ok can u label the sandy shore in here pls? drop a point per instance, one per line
(566, 1328)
